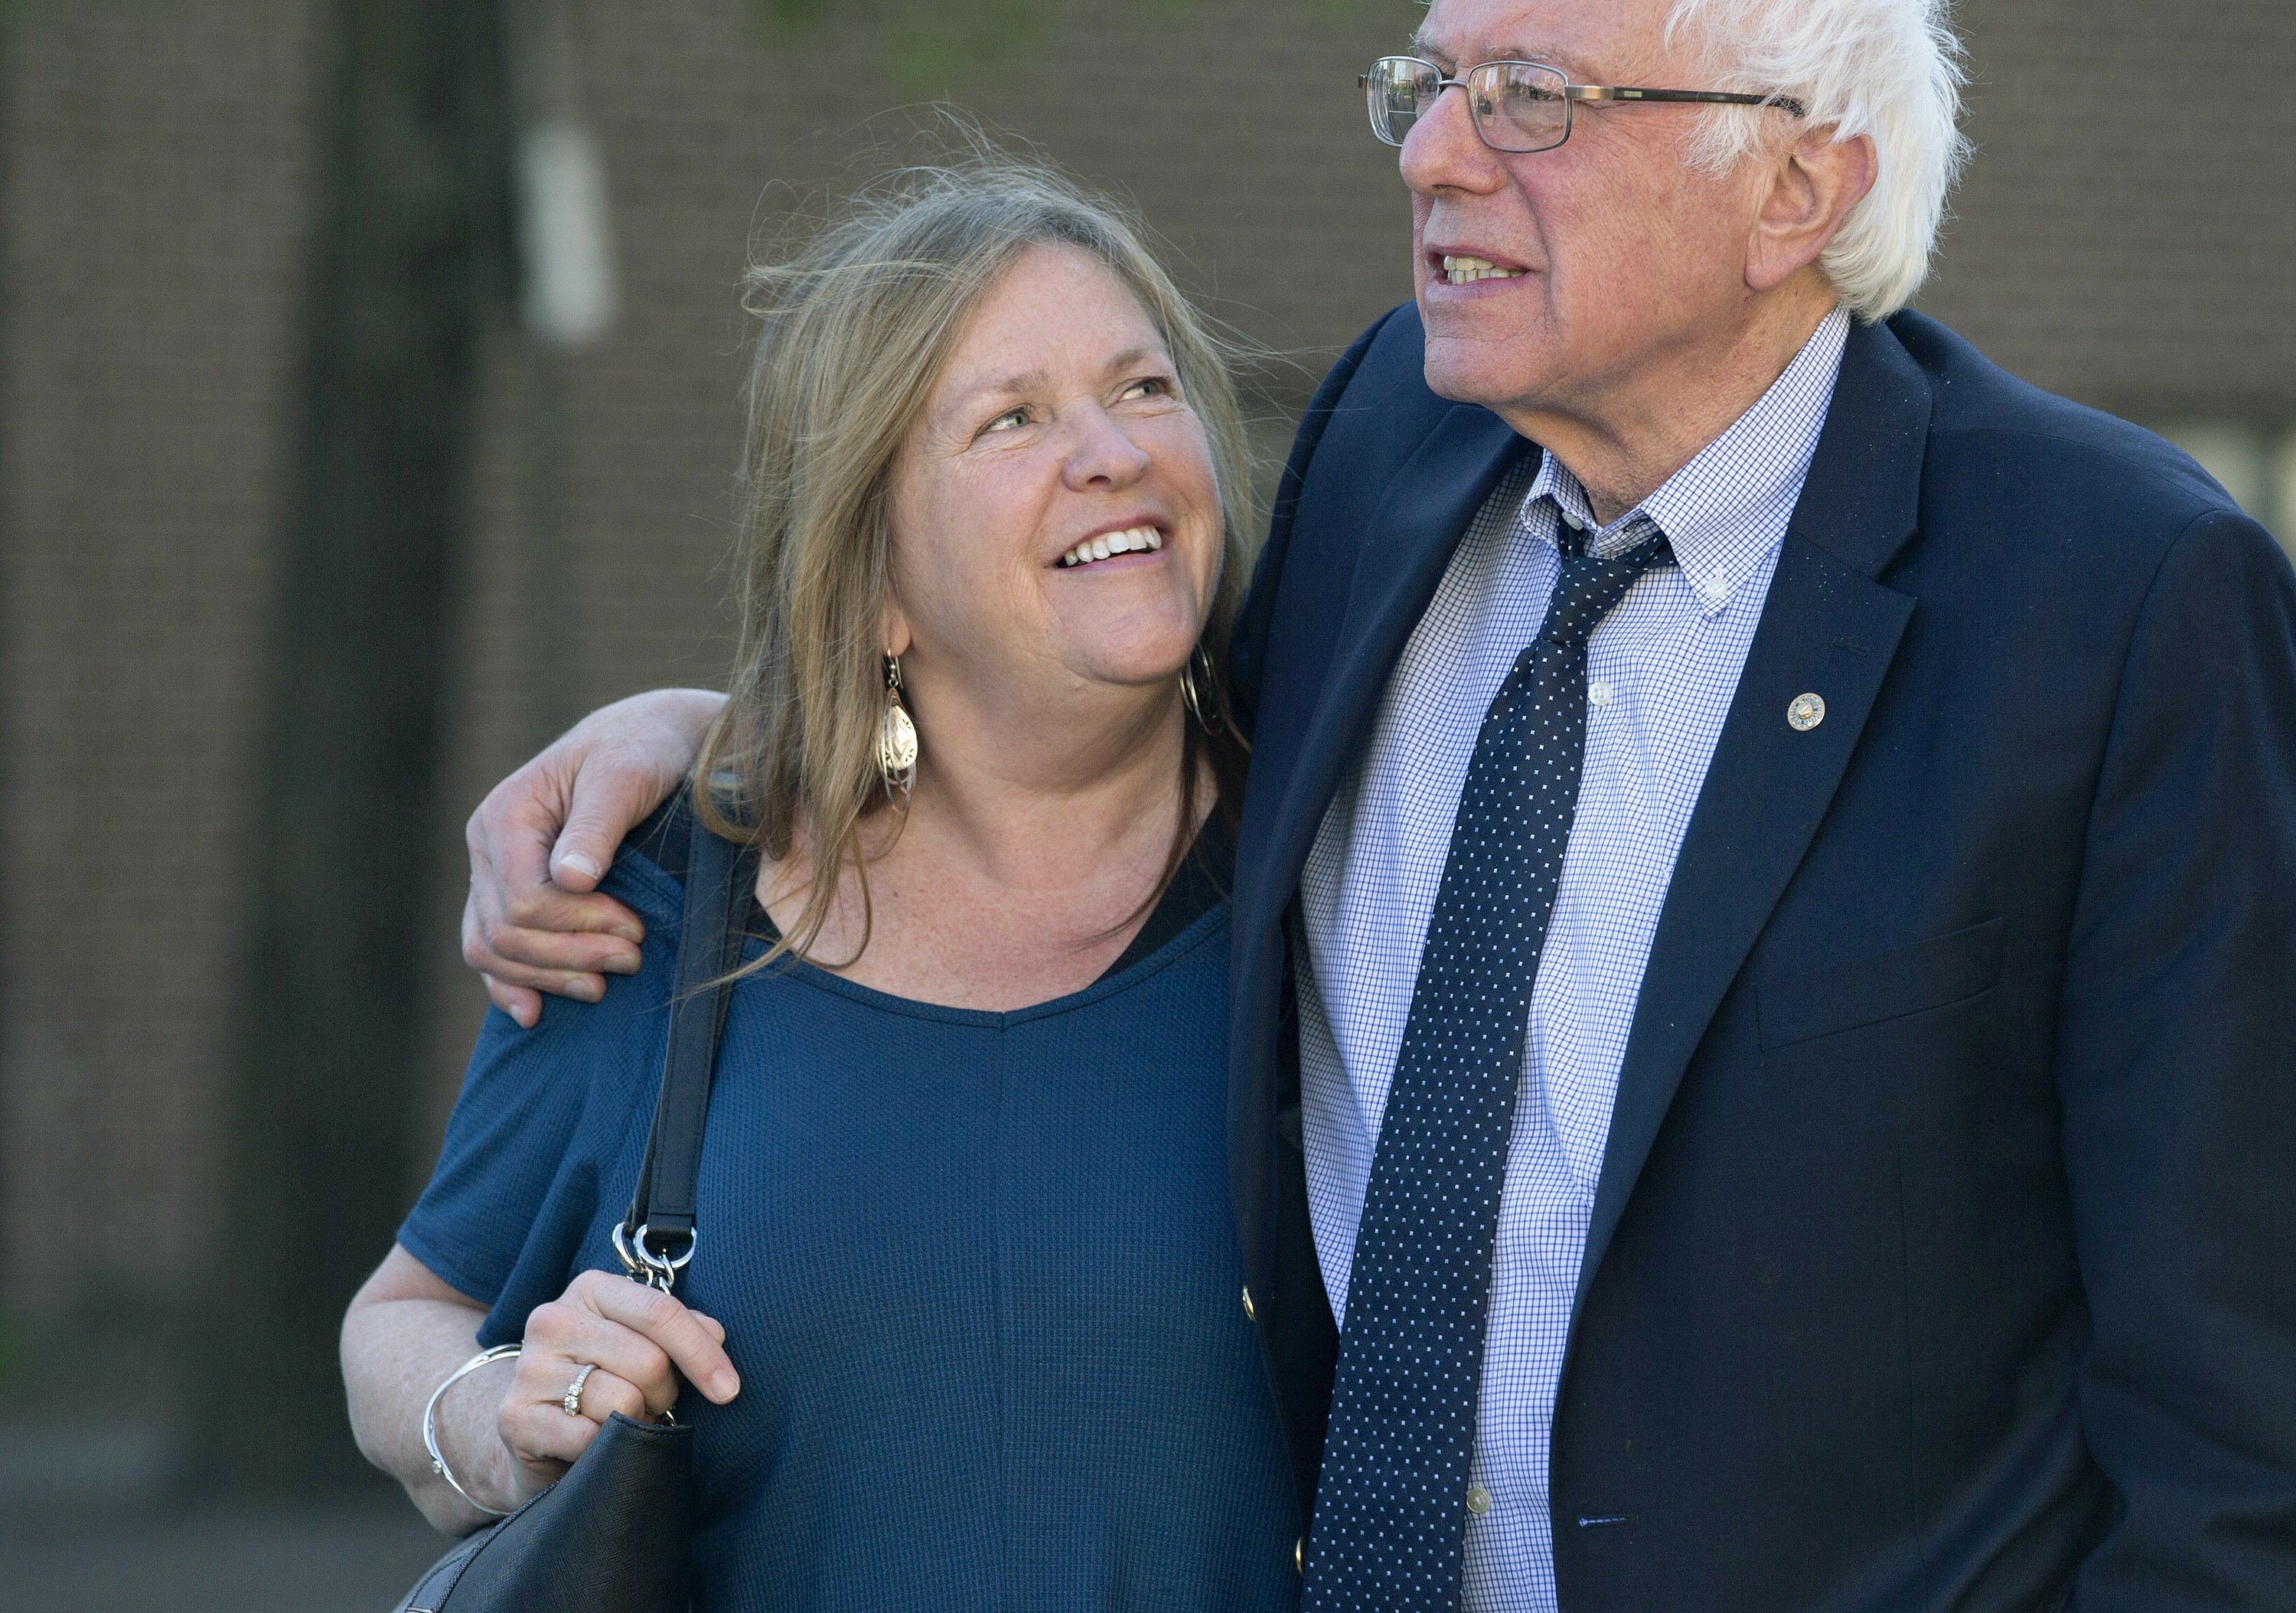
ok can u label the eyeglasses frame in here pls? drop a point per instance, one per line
(1571, 94)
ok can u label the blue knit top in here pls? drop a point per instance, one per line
(977, 1271)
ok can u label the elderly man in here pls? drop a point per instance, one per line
(1763, 912)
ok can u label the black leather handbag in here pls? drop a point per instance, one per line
(615, 1535)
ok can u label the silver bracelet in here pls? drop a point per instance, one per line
(431, 1422)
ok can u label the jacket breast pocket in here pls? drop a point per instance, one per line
(1822, 999)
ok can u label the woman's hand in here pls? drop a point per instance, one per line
(544, 838)
(637, 1339)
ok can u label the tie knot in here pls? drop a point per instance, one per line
(1590, 587)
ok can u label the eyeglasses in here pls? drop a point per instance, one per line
(1517, 106)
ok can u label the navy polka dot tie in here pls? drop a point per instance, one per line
(1391, 1505)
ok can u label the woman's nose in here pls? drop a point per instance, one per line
(1102, 456)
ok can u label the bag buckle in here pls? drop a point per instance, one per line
(644, 1263)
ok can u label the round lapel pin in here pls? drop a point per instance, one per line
(1805, 713)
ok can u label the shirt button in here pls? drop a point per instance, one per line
(1479, 1499)
(1573, 522)
(1600, 692)
(1250, 1311)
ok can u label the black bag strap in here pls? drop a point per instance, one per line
(658, 1237)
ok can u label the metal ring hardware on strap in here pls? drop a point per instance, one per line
(643, 1265)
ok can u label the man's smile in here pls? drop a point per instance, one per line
(1464, 269)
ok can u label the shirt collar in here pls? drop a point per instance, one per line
(1725, 511)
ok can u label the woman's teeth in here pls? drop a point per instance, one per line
(1139, 538)
(1459, 271)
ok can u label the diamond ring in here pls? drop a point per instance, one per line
(572, 1399)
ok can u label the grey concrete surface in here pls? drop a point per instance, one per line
(244, 1558)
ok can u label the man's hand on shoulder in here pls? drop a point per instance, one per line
(544, 837)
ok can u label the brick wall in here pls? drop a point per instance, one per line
(2125, 232)
(155, 162)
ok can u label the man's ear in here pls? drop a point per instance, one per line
(1813, 184)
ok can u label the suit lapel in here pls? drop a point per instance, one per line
(1827, 628)
(1407, 544)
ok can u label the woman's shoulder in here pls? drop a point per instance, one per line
(648, 875)
(543, 1112)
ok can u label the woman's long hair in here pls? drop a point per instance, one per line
(855, 330)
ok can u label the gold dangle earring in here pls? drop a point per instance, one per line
(897, 740)
(1210, 720)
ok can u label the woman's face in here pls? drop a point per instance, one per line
(1055, 436)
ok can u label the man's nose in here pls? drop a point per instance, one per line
(1100, 456)
(1443, 152)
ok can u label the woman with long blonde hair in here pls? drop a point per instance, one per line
(963, 1322)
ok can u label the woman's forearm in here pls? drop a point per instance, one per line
(398, 1348)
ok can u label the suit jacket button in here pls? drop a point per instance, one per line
(1250, 1311)
(1299, 1555)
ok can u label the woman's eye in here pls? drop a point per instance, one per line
(1148, 386)
(1008, 420)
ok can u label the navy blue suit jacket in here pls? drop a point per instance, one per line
(1944, 1253)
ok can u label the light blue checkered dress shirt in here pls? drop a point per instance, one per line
(1661, 671)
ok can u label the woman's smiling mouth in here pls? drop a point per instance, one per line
(1132, 541)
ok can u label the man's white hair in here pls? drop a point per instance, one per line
(1888, 69)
